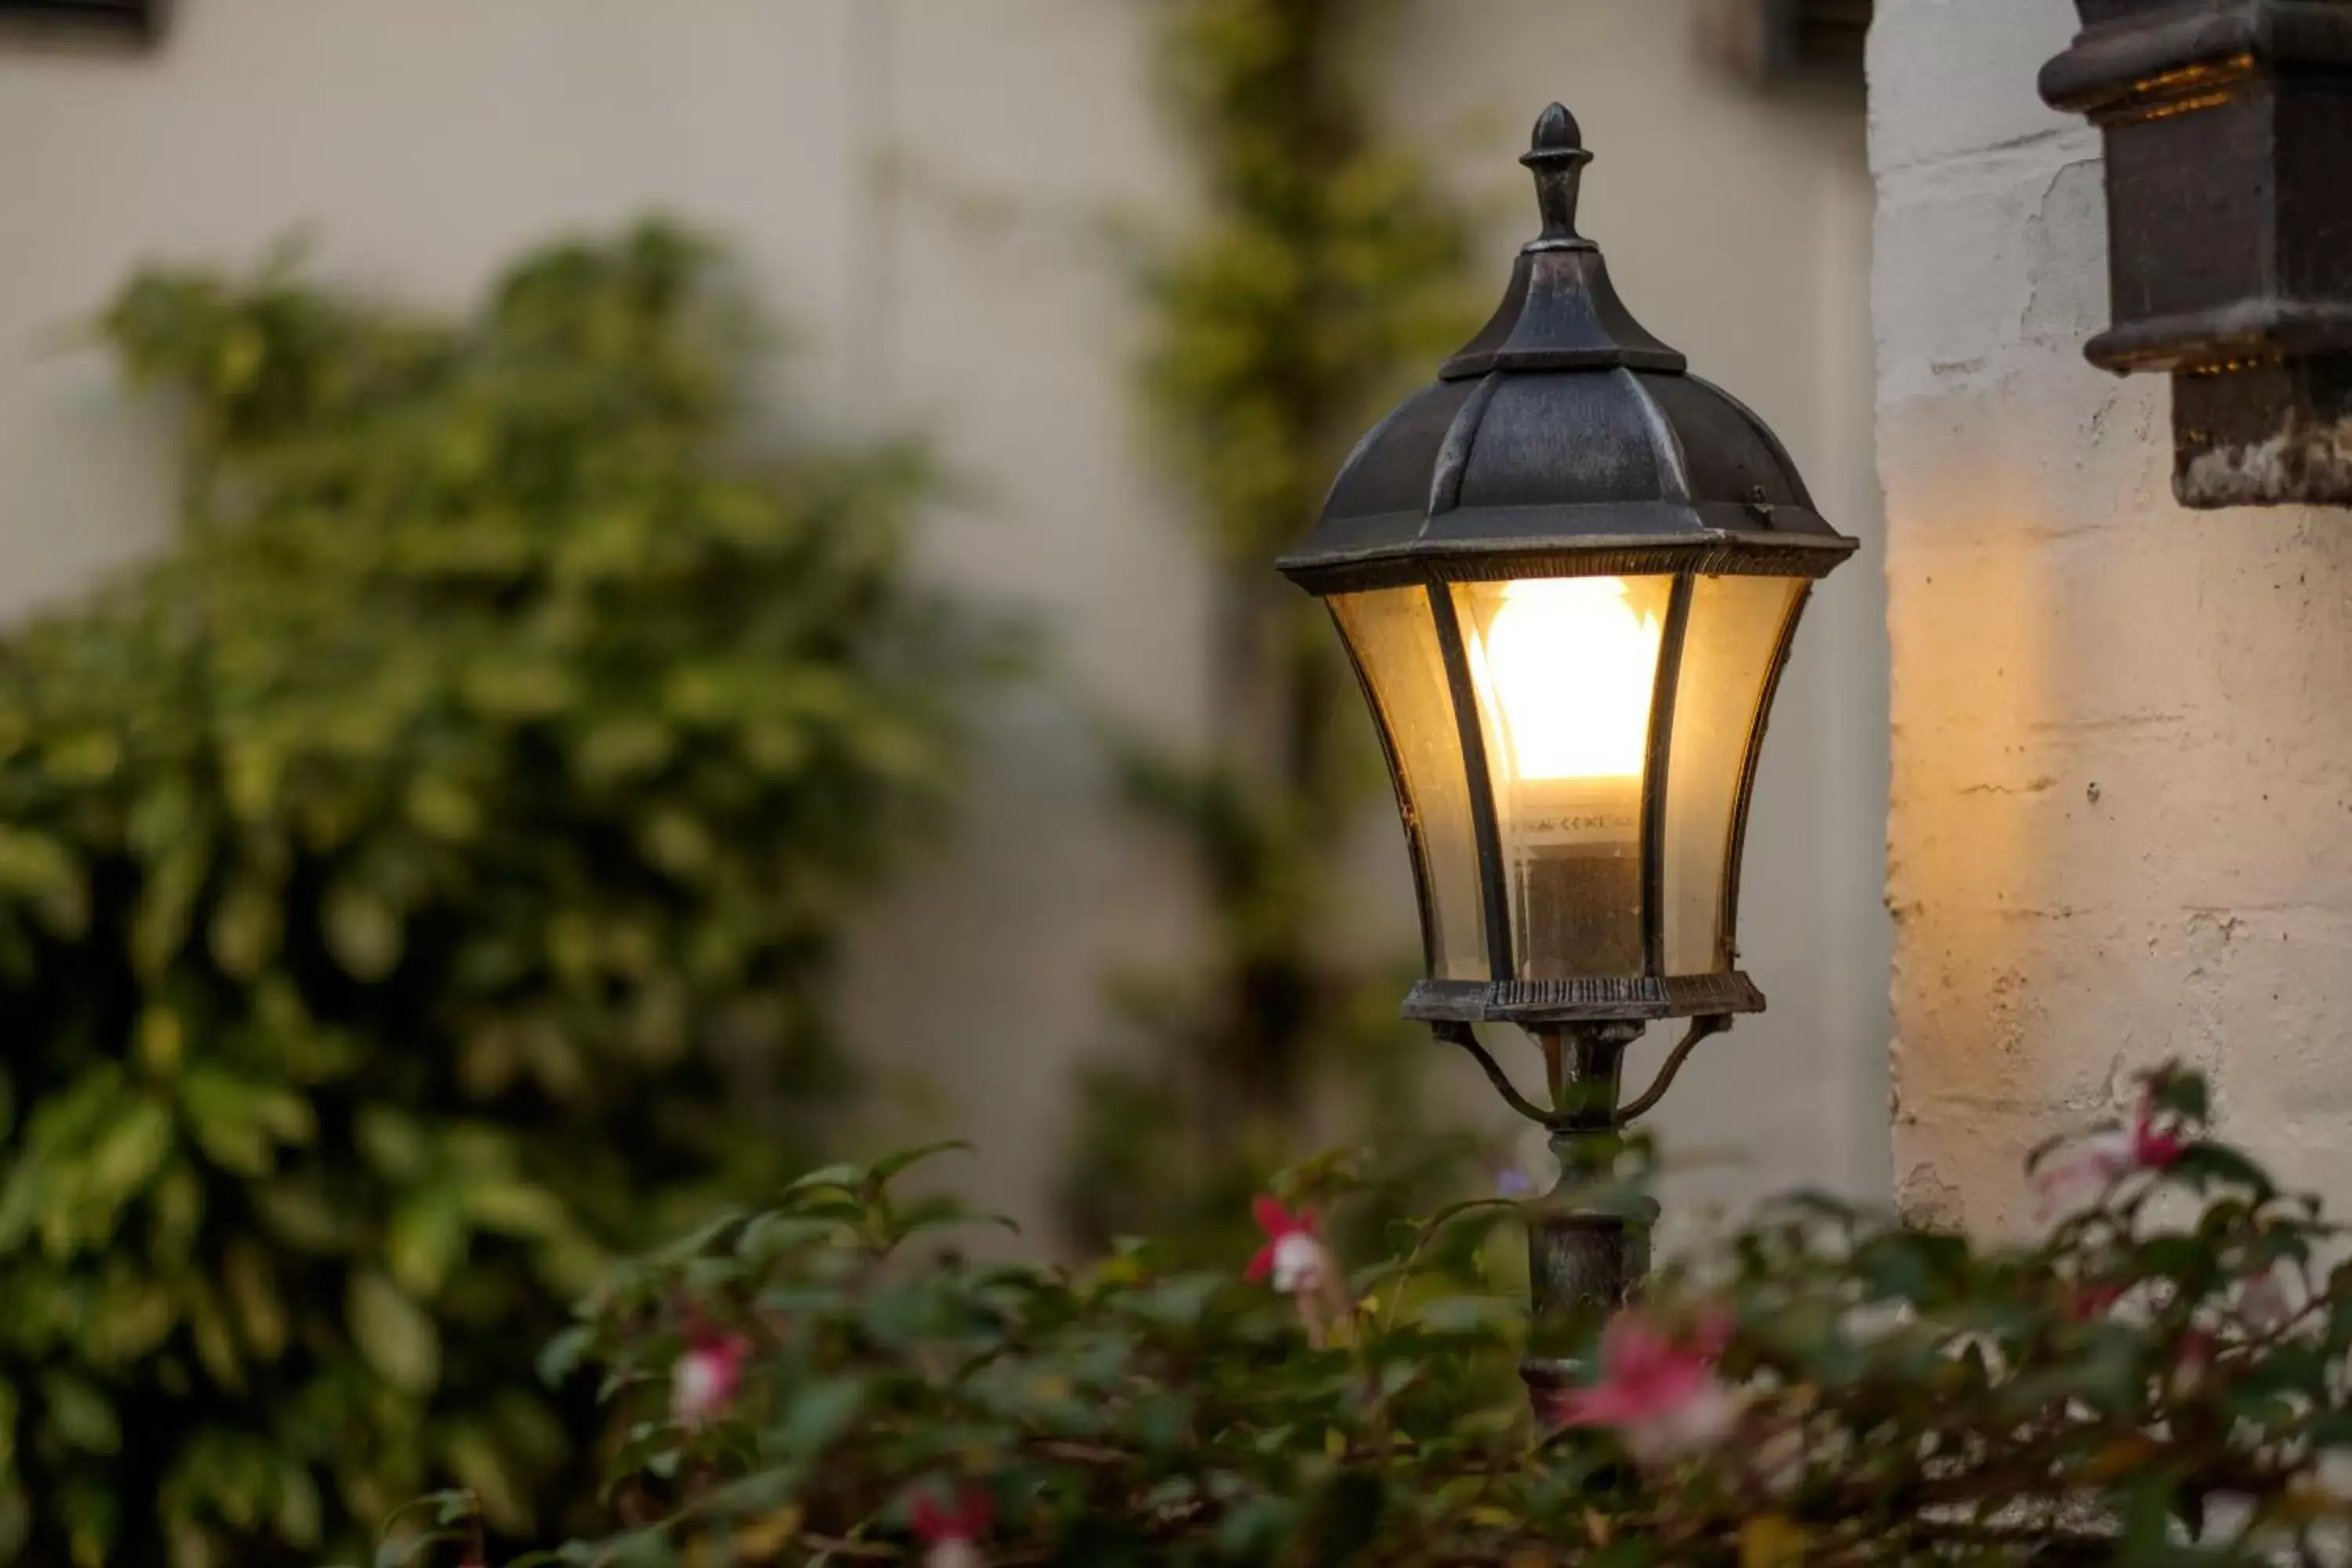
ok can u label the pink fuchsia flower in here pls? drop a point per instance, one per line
(950, 1532)
(2153, 1150)
(703, 1384)
(1658, 1392)
(1294, 1257)
(2080, 1172)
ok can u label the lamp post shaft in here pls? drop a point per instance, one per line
(1587, 1247)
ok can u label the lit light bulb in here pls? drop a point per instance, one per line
(1569, 664)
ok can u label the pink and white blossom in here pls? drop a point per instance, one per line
(1657, 1392)
(2081, 1172)
(1294, 1258)
(706, 1378)
(951, 1534)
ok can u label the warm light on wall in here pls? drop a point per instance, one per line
(1570, 665)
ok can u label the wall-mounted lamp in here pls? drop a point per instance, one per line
(1569, 573)
(2228, 161)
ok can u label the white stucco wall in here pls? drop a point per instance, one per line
(2120, 823)
(421, 143)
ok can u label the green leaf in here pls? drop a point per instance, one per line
(126, 1155)
(300, 1514)
(394, 1335)
(562, 1356)
(167, 904)
(247, 925)
(80, 1415)
(250, 1282)
(426, 1238)
(208, 1329)
(298, 1214)
(515, 1208)
(770, 1236)
(2183, 1093)
(2206, 1165)
(887, 1170)
(847, 1178)
(45, 875)
(363, 931)
(1256, 1529)
(818, 1414)
(239, 1123)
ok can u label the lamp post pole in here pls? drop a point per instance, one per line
(1584, 1254)
(1588, 1239)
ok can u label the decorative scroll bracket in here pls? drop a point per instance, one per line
(1584, 1062)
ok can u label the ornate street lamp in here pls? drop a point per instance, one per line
(1567, 574)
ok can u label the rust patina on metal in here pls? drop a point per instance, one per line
(2228, 126)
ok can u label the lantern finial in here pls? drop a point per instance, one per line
(1557, 154)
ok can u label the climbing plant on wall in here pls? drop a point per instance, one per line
(1327, 268)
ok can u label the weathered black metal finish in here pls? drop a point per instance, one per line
(1581, 1258)
(1784, 40)
(1585, 1085)
(1582, 1261)
(1493, 888)
(1425, 894)
(1532, 1004)
(1586, 1254)
(1825, 36)
(1671, 637)
(134, 20)
(1562, 440)
(2228, 126)
(1729, 924)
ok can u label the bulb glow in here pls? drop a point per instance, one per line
(1569, 665)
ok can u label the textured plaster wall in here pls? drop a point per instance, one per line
(420, 141)
(2122, 806)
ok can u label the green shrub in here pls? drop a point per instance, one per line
(419, 880)
(2162, 1380)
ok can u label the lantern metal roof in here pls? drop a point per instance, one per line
(1564, 439)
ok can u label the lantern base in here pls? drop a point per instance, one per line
(1537, 1003)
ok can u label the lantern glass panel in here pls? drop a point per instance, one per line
(1393, 635)
(1736, 628)
(1565, 670)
